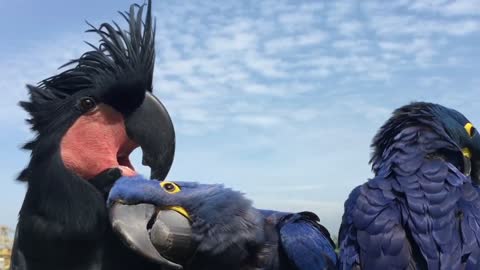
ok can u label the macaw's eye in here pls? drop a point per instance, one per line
(87, 104)
(470, 129)
(170, 187)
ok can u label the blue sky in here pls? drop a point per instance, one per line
(278, 99)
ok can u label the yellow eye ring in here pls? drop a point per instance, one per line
(470, 129)
(170, 187)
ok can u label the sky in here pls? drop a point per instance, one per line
(278, 99)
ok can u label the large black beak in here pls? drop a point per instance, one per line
(151, 127)
(162, 236)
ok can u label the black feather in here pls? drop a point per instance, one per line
(120, 53)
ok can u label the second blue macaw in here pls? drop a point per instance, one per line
(187, 225)
(422, 208)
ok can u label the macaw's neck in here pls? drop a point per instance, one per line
(258, 253)
(254, 257)
(410, 148)
(262, 255)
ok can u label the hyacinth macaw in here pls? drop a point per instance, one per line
(207, 226)
(87, 120)
(422, 208)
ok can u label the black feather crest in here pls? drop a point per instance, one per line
(120, 53)
(122, 57)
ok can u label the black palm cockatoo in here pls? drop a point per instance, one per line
(87, 120)
(422, 208)
(188, 225)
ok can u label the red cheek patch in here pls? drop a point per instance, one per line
(97, 141)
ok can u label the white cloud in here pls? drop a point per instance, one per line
(304, 114)
(239, 41)
(260, 89)
(339, 11)
(294, 42)
(312, 7)
(404, 25)
(194, 115)
(300, 18)
(350, 28)
(448, 8)
(352, 45)
(462, 7)
(256, 120)
(311, 38)
(421, 49)
(434, 82)
(260, 64)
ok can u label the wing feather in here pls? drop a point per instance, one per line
(371, 234)
(306, 243)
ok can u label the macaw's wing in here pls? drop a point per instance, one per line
(306, 243)
(469, 207)
(432, 197)
(371, 235)
(349, 256)
(428, 219)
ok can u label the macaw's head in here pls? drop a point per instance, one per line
(90, 117)
(172, 222)
(456, 140)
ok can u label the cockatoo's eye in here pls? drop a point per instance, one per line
(170, 187)
(87, 104)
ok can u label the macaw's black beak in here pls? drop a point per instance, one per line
(163, 236)
(151, 127)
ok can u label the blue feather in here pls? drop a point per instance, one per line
(419, 211)
(304, 243)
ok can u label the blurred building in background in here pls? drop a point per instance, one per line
(5, 247)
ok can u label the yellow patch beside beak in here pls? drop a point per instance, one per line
(467, 153)
(180, 210)
(469, 128)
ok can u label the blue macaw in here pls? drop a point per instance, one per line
(207, 226)
(422, 208)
